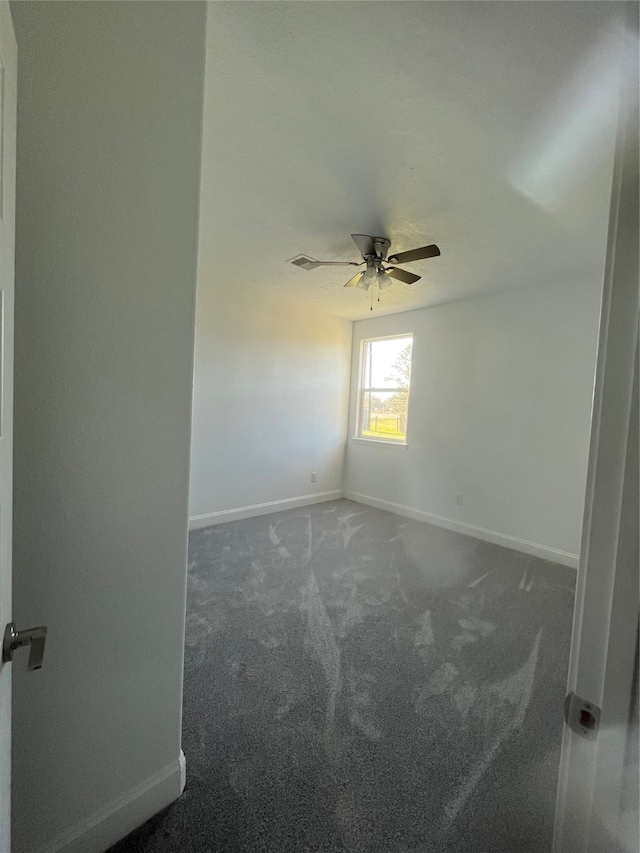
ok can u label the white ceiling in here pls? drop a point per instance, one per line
(486, 127)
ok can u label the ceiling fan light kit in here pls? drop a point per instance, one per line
(374, 251)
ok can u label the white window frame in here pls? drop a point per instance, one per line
(358, 438)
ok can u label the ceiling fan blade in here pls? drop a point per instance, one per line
(364, 244)
(354, 282)
(306, 263)
(431, 251)
(402, 275)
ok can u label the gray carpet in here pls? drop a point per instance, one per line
(357, 681)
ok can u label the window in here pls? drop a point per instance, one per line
(383, 401)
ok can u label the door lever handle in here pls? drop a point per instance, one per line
(33, 637)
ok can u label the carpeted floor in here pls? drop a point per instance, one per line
(357, 682)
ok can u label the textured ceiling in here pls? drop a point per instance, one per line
(486, 127)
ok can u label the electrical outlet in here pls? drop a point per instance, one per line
(313, 476)
(458, 499)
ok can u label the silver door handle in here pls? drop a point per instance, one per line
(34, 637)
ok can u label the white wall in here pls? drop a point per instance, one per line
(271, 381)
(270, 401)
(109, 126)
(499, 413)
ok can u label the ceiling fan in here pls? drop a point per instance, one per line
(374, 254)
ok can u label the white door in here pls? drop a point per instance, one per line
(595, 768)
(8, 76)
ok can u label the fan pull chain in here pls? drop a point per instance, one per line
(371, 309)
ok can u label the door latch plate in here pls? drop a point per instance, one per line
(581, 716)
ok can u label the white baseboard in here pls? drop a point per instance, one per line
(261, 509)
(563, 557)
(123, 815)
(182, 761)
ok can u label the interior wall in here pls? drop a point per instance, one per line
(270, 406)
(109, 130)
(499, 414)
(271, 379)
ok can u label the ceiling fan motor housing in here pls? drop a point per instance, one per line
(381, 246)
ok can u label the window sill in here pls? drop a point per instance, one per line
(373, 442)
